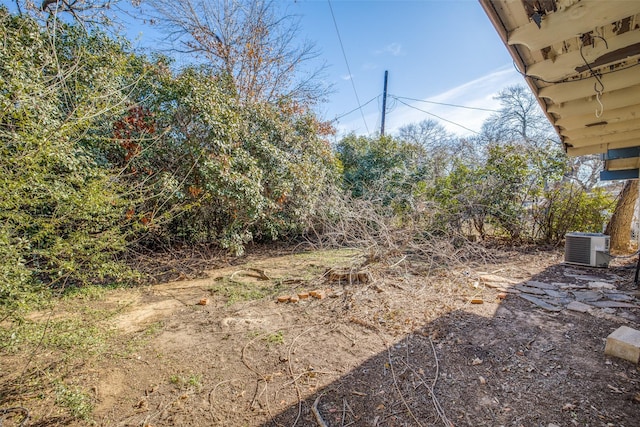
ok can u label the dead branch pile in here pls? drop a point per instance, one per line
(384, 234)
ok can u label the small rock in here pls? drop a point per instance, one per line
(541, 303)
(530, 290)
(556, 294)
(613, 304)
(601, 285)
(578, 306)
(591, 279)
(587, 296)
(476, 361)
(618, 296)
(541, 285)
(502, 295)
(489, 279)
(318, 294)
(482, 380)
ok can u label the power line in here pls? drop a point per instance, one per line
(445, 104)
(357, 108)
(438, 117)
(348, 68)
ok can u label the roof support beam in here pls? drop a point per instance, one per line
(622, 153)
(564, 65)
(604, 138)
(571, 22)
(605, 129)
(572, 90)
(614, 99)
(609, 116)
(619, 175)
(600, 148)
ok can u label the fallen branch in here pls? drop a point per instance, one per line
(316, 413)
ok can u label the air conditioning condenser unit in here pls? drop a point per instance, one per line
(590, 249)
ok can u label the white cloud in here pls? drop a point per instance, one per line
(478, 93)
(346, 77)
(393, 49)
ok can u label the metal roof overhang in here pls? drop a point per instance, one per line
(580, 58)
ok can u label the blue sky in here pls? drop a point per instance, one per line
(435, 50)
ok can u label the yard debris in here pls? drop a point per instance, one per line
(303, 295)
(294, 299)
(348, 275)
(477, 301)
(319, 294)
(284, 298)
(203, 301)
(492, 280)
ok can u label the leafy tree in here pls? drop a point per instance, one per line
(567, 206)
(235, 171)
(382, 168)
(61, 208)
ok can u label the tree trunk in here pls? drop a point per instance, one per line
(619, 227)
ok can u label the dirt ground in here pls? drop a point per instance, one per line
(405, 348)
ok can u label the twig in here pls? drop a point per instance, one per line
(316, 413)
(6, 411)
(395, 383)
(295, 382)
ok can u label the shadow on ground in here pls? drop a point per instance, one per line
(523, 366)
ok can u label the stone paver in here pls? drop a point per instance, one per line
(590, 294)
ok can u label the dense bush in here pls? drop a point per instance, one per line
(61, 209)
(568, 207)
(103, 149)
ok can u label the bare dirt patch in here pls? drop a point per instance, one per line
(403, 348)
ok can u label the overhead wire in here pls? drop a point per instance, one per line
(438, 117)
(445, 104)
(335, 23)
(360, 107)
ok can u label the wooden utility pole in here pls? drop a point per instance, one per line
(384, 102)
